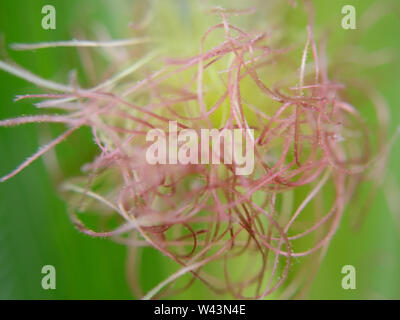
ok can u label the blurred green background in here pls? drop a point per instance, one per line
(34, 227)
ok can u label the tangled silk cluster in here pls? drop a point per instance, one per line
(236, 234)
